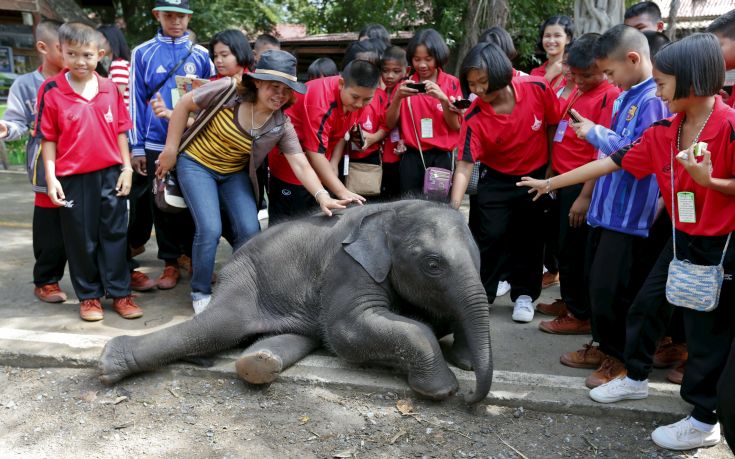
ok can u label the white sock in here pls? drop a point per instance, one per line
(699, 425)
(634, 383)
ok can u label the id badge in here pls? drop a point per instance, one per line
(174, 97)
(560, 130)
(395, 135)
(685, 207)
(346, 165)
(427, 128)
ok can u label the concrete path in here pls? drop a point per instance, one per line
(527, 368)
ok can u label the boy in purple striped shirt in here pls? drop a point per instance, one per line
(622, 210)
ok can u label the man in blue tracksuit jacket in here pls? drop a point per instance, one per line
(154, 67)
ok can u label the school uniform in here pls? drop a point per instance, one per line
(568, 153)
(320, 122)
(390, 187)
(510, 146)
(621, 247)
(709, 334)
(428, 127)
(558, 82)
(88, 159)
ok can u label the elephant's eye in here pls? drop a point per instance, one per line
(433, 265)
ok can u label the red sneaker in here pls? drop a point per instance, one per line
(169, 278)
(126, 307)
(566, 325)
(91, 310)
(50, 293)
(549, 279)
(140, 282)
(557, 308)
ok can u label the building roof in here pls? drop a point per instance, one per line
(696, 14)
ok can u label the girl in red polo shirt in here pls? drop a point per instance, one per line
(428, 121)
(557, 33)
(506, 129)
(688, 74)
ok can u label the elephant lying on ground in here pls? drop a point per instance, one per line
(373, 284)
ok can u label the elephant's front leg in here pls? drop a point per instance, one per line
(378, 335)
(263, 361)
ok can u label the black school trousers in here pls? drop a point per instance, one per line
(287, 201)
(507, 234)
(174, 232)
(95, 228)
(572, 249)
(617, 266)
(709, 335)
(48, 246)
(726, 399)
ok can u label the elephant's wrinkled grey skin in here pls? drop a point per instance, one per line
(368, 283)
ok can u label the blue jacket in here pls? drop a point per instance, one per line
(150, 63)
(619, 201)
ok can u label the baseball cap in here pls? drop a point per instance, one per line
(177, 6)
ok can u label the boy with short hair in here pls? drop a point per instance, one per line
(724, 29)
(644, 16)
(154, 66)
(393, 66)
(593, 98)
(621, 214)
(83, 124)
(48, 246)
(322, 117)
(263, 43)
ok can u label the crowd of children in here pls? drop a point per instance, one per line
(585, 172)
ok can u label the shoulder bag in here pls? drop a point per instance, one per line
(437, 180)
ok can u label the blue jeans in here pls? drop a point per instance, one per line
(205, 191)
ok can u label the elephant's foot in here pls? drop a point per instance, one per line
(114, 363)
(434, 386)
(459, 356)
(259, 367)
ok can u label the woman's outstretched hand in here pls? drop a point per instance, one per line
(540, 187)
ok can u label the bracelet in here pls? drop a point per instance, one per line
(548, 185)
(316, 195)
(126, 168)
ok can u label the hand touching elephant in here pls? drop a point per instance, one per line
(371, 284)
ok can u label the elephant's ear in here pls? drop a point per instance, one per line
(368, 245)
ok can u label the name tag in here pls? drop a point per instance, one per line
(427, 128)
(685, 207)
(560, 130)
(346, 165)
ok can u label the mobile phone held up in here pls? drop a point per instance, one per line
(462, 104)
(420, 87)
(357, 137)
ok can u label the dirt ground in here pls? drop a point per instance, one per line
(60, 413)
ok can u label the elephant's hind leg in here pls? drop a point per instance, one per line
(263, 361)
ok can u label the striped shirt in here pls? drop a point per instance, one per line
(222, 145)
(620, 202)
(120, 75)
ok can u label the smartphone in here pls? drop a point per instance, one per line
(574, 117)
(357, 136)
(420, 87)
(462, 103)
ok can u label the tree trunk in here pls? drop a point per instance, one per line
(673, 13)
(480, 15)
(597, 15)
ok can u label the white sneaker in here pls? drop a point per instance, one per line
(201, 304)
(523, 310)
(683, 435)
(503, 288)
(620, 389)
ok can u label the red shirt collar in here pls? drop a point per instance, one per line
(66, 88)
(711, 130)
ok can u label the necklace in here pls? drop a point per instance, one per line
(253, 128)
(696, 138)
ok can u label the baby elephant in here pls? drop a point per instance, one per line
(373, 284)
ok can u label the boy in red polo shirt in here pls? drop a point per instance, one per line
(593, 98)
(724, 29)
(321, 118)
(83, 123)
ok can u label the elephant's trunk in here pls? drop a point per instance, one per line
(475, 321)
